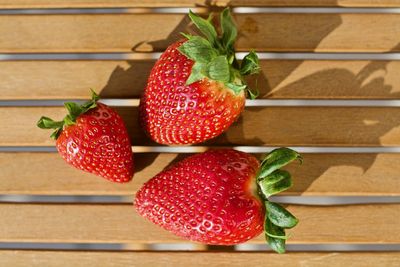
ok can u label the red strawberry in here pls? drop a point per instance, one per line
(93, 138)
(196, 90)
(218, 197)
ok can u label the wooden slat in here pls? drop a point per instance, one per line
(184, 259)
(329, 79)
(72, 79)
(263, 32)
(121, 224)
(320, 175)
(190, 3)
(283, 126)
(280, 79)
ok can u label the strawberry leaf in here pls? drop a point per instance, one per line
(229, 31)
(95, 96)
(253, 95)
(276, 160)
(271, 180)
(91, 103)
(279, 216)
(275, 236)
(197, 73)
(250, 64)
(68, 120)
(218, 54)
(56, 134)
(186, 35)
(276, 182)
(198, 49)
(74, 109)
(236, 87)
(47, 123)
(205, 27)
(218, 69)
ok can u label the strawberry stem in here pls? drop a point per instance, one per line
(270, 181)
(214, 55)
(74, 111)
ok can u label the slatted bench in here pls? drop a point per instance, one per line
(328, 88)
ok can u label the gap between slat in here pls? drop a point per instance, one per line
(199, 149)
(249, 103)
(295, 200)
(169, 247)
(240, 55)
(185, 10)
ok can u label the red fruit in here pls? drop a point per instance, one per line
(213, 197)
(93, 138)
(174, 113)
(208, 198)
(196, 89)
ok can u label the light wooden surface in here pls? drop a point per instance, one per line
(190, 3)
(320, 175)
(280, 79)
(280, 126)
(79, 223)
(262, 32)
(184, 259)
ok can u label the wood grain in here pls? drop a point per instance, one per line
(190, 3)
(320, 175)
(72, 79)
(280, 126)
(141, 32)
(183, 259)
(279, 79)
(78, 223)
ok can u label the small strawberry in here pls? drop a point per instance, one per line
(220, 197)
(196, 90)
(93, 138)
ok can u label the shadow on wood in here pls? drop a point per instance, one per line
(134, 78)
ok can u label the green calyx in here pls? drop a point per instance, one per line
(214, 55)
(272, 180)
(74, 110)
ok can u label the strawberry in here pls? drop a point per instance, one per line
(196, 89)
(220, 197)
(93, 138)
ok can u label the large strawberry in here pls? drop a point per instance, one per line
(220, 197)
(196, 90)
(93, 138)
